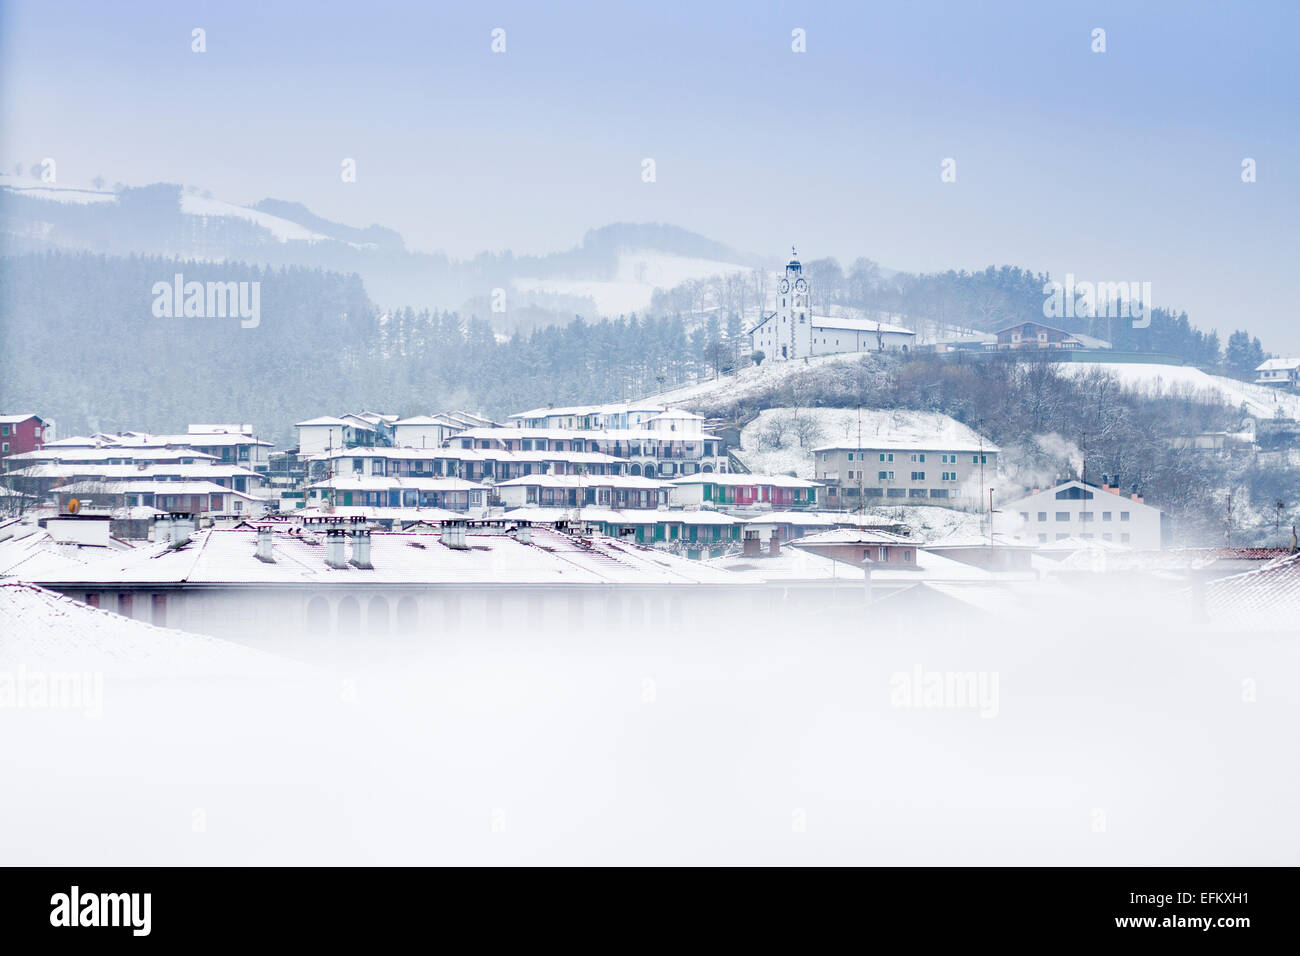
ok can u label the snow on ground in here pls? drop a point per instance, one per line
(825, 426)
(639, 274)
(751, 381)
(57, 192)
(1261, 401)
(282, 229)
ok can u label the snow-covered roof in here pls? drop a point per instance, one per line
(16, 419)
(382, 483)
(586, 513)
(584, 481)
(141, 471)
(150, 487)
(805, 519)
(58, 454)
(227, 557)
(866, 536)
(1279, 365)
(323, 421)
(742, 480)
(47, 632)
(1266, 598)
(856, 325)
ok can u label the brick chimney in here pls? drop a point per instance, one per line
(774, 543)
(753, 547)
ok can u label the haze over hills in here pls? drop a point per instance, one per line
(614, 270)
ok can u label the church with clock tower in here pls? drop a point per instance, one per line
(787, 333)
(793, 332)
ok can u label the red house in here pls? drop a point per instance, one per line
(20, 433)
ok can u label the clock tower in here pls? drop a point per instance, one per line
(793, 316)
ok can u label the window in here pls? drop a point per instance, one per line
(1086, 515)
(850, 456)
(1061, 537)
(1042, 516)
(1024, 516)
(1123, 516)
(882, 456)
(1107, 537)
(918, 476)
(1105, 516)
(1124, 538)
(1063, 516)
(882, 475)
(1042, 539)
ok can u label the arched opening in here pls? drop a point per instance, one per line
(349, 616)
(408, 615)
(634, 469)
(377, 615)
(318, 615)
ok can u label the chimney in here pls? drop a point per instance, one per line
(265, 550)
(174, 528)
(774, 543)
(335, 543)
(453, 535)
(753, 547)
(522, 532)
(361, 549)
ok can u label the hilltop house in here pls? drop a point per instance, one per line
(1278, 372)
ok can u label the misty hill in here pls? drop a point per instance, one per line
(615, 269)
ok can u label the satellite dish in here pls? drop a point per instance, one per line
(74, 505)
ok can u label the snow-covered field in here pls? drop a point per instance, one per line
(640, 273)
(821, 426)
(749, 382)
(56, 192)
(282, 229)
(1260, 401)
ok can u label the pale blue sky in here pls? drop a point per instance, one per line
(1116, 166)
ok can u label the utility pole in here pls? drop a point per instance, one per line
(989, 517)
(1227, 532)
(860, 512)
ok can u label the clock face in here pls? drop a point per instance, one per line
(801, 285)
(785, 286)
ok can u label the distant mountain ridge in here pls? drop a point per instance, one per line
(169, 220)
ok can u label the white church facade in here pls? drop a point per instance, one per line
(793, 332)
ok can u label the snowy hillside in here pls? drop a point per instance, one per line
(639, 274)
(1260, 401)
(780, 440)
(282, 229)
(55, 192)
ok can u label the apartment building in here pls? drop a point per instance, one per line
(1085, 512)
(954, 473)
